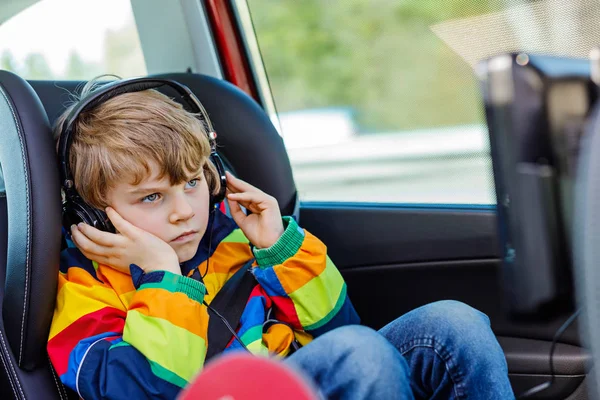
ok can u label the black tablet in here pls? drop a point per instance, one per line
(536, 108)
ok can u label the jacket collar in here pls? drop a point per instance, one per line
(221, 226)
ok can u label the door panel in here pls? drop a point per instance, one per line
(392, 234)
(397, 258)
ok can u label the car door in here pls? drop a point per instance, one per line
(379, 106)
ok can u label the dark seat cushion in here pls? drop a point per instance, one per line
(30, 235)
(247, 139)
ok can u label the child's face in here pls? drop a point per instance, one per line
(164, 210)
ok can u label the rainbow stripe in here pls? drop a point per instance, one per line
(113, 338)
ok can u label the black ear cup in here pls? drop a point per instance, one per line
(75, 210)
(101, 220)
(218, 163)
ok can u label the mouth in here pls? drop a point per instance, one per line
(185, 236)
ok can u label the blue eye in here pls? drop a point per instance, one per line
(150, 198)
(191, 184)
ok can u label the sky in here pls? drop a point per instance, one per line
(63, 26)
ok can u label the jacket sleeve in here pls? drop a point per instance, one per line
(102, 348)
(307, 290)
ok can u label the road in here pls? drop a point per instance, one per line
(449, 165)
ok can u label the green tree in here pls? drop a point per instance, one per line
(379, 57)
(78, 69)
(7, 62)
(36, 67)
(123, 52)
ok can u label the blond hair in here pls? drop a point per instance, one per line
(118, 139)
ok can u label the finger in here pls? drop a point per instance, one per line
(85, 244)
(249, 199)
(120, 223)
(94, 257)
(238, 185)
(236, 212)
(98, 236)
(230, 190)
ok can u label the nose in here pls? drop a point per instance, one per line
(182, 209)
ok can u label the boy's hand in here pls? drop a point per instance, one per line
(131, 245)
(264, 226)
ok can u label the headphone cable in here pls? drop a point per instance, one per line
(227, 325)
(546, 385)
(212, 224)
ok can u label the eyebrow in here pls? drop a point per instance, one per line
(142, 190)
(146, 190)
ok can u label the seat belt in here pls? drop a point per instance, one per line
(230, 302)
(296, 212)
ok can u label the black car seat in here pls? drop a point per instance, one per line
(29, 243)
(247, 140)
(30, 207)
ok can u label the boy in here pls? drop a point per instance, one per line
(131, 316)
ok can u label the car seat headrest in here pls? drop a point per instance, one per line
(30, 175)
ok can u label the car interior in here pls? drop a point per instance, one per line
(394, 257)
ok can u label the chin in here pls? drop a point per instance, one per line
(187, 252)
(183, 257)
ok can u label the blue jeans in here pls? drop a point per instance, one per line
(444, 350)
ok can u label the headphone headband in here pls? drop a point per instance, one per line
(107, 92)
(74, 208)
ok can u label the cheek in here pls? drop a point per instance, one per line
(202, 195)
(154, 226)
(201, 201)
(151, 222)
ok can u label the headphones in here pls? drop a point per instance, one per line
(74, 209)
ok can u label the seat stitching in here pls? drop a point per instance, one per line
(12, 385)
(28, 223)
(5, 348)
(60, 386)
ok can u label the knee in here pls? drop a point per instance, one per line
(465, 332)
(457, 310)
(359, 362)
(365, 350)
(454, 315)
(449, 322)
(358, 341)
(458, 326)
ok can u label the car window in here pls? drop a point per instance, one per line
(378, 101)
(72, 39)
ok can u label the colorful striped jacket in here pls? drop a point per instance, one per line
(115, 335)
